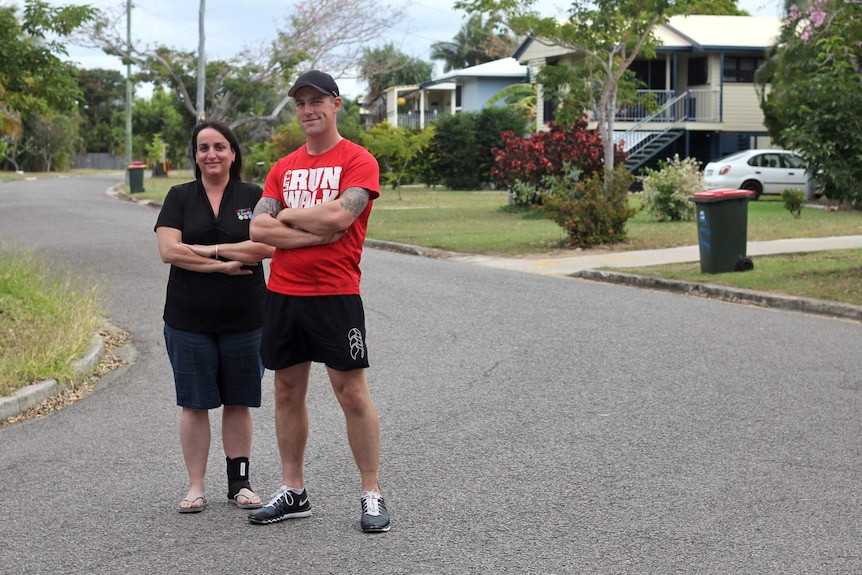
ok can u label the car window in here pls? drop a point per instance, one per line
(764, 161)
(733, 157)
(770, 161)
(792, 161)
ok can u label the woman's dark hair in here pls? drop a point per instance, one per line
(224, 130)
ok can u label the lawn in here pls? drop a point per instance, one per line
(482, 222)
(479, 222)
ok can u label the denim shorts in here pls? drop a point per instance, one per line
(214, 369)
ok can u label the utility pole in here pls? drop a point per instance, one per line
(128, 86)
(202, 64)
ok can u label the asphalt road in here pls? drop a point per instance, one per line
(531, 424)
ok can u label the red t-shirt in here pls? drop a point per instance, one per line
(301, 180)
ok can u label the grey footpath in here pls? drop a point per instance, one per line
(587, 266)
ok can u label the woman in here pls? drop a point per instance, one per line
(214, 309)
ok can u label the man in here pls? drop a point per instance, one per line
(314, 210)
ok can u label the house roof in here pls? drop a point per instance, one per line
(503, 68)
(716, 33)
(709, 33)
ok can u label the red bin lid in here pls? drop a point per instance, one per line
(728, 193)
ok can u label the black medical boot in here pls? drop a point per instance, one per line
(237, 479)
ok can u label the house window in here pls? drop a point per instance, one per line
(549, 111)
(698, 72)
(650, 72)
(738, 70)
(458, 96)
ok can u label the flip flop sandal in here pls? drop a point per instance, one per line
(194, 508)
(247, 498)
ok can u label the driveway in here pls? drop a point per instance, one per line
(531, 424)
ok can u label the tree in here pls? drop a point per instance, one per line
(232, 93)
(326, 34)
(385, 67)
(52, 139)
(395, 148)
(810, 93)
(159, 115)
(476, 42)
(34, 78)
(607, 35)
(716, 8)
(10, 121)
(103, 99)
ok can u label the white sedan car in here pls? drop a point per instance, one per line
(761, 171)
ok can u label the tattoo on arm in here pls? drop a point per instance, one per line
(269, 206)
(354, 200)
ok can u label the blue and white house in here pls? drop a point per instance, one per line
(703, 80)
(465, 90)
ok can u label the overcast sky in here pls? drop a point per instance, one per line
(232, 24)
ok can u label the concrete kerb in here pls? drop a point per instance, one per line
(34, 394)
(410, 249)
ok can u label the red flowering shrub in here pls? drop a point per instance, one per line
(529, 160)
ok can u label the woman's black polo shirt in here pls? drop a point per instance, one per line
(212, 302)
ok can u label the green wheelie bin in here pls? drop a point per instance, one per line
(136, 177)
(722, 230)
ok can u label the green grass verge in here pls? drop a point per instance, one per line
(156, 188)
(481, 222)
(47, 320)
(829, 275)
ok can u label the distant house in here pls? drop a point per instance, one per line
(465, 90)
(703, 79)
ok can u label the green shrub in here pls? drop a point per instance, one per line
(528, 195)
(589, 214)
(259, 153)
(454, 148)
(667, 191)
(793, 201)
(462, 147)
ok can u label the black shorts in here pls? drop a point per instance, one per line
(324, 329)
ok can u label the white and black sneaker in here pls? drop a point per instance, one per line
(285, 504)
(375, 516)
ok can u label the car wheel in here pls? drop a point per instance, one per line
(754, 186)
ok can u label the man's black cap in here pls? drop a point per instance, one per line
(320, 81)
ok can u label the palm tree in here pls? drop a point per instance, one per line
(521, 97)
(475, 43)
